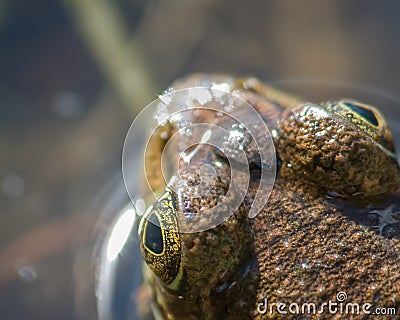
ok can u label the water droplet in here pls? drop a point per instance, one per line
(304, 265)
(164, 135)
(286, 244)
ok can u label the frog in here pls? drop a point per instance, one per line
(313, 242)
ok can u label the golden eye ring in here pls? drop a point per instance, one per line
(160, 241)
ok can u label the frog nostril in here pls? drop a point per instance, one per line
(363, 112)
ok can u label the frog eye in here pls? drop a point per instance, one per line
(365, 117)
(362, 111)
(153, 237)
(355, 111)
(160, 242)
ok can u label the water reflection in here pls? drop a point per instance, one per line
(116, 246)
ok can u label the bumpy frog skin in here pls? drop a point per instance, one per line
(306, 245)
(341, 146)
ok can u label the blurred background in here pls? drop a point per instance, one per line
(74, 73)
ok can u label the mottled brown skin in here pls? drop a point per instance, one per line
(304, 246)
(308, 251)
(335, 154)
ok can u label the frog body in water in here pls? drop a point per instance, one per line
(313, 238)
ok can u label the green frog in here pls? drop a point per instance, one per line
(328, 232)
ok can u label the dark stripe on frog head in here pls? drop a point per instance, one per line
(365, 113)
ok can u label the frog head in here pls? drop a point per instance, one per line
(341, 146)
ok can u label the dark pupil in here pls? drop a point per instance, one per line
(153, 239)
(365, 113)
